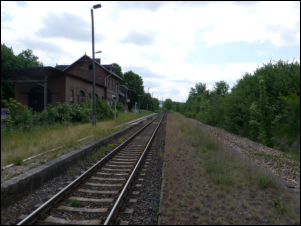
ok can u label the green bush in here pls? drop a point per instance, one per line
(63, 113)
(261, 106)
(18, 161)
(20, 116)
(104, 110)
(74, 203)
(80, 113)
(119, 106)
(265, 181)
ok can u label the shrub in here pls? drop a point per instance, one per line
(103, 109)
(224, 179)
(74, 203)
(18, 161)
(211, 145)
(63, 113)
(80, 113)
(110, 145)
(20, 116)
(265, 181)
(119, 107)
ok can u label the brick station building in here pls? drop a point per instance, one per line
(36, 87)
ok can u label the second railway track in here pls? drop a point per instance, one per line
(101, 190)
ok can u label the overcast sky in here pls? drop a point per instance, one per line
(171, 45)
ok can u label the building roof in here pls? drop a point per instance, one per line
(38, 73)
(108, 67)
(61, 67)
(124, 90)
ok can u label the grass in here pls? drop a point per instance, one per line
(211, 185)
(74, 203)
(18, 161)
(265, 181)
(110, 145)
(18, 144)
(268, 156)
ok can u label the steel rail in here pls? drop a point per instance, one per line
(30, 219)
(118, 203)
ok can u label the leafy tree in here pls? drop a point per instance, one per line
(118, 71)
(27, 59)
(199, 88)
(263, 112)
(167, 104)
(291, 114)
(156, 104)
(135, 83)
(146, 101)
(221, 88)
(252, 109)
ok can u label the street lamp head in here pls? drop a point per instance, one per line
(96, 6)
(98, 51)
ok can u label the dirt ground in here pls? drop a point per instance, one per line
(205, 184)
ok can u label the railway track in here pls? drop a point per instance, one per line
(101, 190)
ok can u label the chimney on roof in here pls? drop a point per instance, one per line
(98, 60)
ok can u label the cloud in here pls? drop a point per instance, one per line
(67, 26)
(141, 5)
(140, 38)
(252, 24)
(262, 52)
(154, 38)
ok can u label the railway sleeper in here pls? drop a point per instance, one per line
(54, 220)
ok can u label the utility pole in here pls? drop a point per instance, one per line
(115, 108)
(139, 101)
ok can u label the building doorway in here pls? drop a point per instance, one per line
(36, 98)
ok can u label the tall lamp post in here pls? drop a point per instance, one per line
(93, 63)
(139, 101)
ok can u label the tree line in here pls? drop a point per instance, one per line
(261, 106)
(134, 82)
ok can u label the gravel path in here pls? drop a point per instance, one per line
(273, 159)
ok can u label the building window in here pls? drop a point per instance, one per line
(81, 97)
(96, 95)
(82, 67)
(81, 93)
(90, 67)
(90, 95)
(71, 96)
